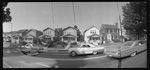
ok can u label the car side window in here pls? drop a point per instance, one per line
(83, 45)
(88, 46)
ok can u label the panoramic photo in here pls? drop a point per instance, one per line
(74, 34)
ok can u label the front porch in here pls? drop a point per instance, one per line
(95, 39)
(69, 38)
(46, 37)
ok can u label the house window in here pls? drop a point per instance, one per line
(29, 38)
(110, 31)
(93, 32)
(115, 36)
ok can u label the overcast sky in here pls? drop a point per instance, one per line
(38, 15)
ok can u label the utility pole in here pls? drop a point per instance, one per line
(74, 13)
(11, 32)
(120, 61)
(52, 15)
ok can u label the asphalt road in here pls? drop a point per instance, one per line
(95, 61)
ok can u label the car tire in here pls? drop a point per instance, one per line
(73, 53)
(95, 52)
(133, 54)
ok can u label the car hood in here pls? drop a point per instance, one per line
(29, 62)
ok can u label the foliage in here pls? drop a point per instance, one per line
(23, 43)
(58, 32)
(37, 41)
(134, 21)
(6, 13)
(78, 34)
(63, 44)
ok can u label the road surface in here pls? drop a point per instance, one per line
(95, 61)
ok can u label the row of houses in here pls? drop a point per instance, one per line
(106, 33)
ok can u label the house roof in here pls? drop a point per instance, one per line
(48, 28)
(42, 36)
(90, 28)
(94, 35)
(69, 35)
(69, 27)
(109, 26)
(19, 31)
(29, 35)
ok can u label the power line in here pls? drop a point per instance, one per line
(52, 15)
(74, 13)
(119, 20)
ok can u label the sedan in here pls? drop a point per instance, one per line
(85, 48)
(14, 58)
(129, 48)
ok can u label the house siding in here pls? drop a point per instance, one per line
(90, 32)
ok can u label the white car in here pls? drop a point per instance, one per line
(85, 48)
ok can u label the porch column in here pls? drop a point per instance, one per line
(52, 38)
(62, 39)
(75, 39)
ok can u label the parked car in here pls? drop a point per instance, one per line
(31, 48)
(14, 58)
(129, 48)
(85, 48)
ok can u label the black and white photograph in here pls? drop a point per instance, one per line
(74, 34)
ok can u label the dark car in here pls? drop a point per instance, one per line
(129, 48)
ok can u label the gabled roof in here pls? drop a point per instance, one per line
(69, 35)
(48, 28)
(29, 35)
(109, 26)
(94, 35)
(69, 27)
(19, 31)
(89, 28)
(42, 36)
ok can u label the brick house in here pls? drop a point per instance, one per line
(110, 33)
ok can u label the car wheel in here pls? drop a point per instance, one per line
(133, 54)
(73, 53)
(94, 52)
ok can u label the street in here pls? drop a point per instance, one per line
(95, 61)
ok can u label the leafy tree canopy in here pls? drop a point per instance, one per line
(6, 13)
(135, 19)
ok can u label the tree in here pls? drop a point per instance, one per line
(58, 32)
(6, 13)
(135, 19)
(78, 34)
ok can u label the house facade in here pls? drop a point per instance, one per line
(110, 33)
(31, 35)
(48, 34)
(92, 35)
(14, 36)
(69, 34)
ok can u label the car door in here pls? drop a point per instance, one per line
(87, 49)
(140, 46)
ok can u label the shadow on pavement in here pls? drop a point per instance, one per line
(71, 63)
